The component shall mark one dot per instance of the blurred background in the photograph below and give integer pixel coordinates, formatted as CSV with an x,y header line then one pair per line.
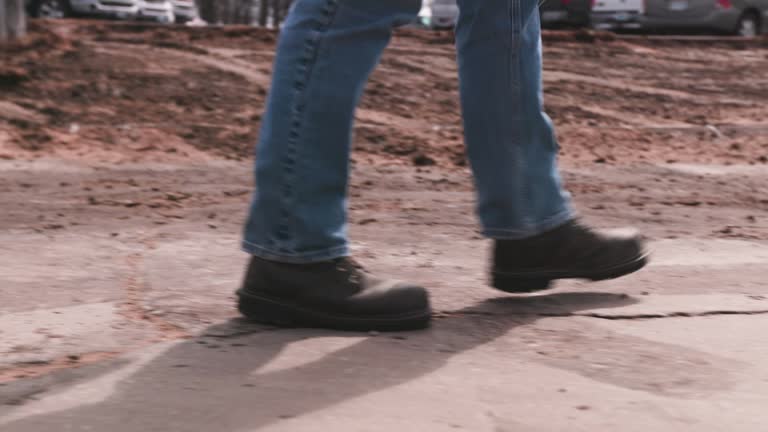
x,y
739,17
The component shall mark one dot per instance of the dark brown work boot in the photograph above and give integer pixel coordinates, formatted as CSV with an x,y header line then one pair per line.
x,y
335,294
571,251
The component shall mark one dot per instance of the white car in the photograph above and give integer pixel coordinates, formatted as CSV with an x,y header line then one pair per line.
x,y
125,9
184,11
156,10
439,14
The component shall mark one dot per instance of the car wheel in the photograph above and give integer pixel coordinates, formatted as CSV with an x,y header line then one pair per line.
x,y
51,9
749,25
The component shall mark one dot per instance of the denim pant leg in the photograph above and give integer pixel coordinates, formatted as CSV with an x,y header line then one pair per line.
x,y
510,140
326,51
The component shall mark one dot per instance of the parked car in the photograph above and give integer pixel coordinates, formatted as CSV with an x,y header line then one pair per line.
x,y
617,14
126,9
741,17
184,11
572,13
443,14
155,10
438,14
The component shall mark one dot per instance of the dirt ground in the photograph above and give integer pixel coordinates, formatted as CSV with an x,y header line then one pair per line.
x,y
125,92
125,173
93,92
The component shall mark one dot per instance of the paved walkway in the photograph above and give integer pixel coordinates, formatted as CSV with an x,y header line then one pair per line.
x,y
127,325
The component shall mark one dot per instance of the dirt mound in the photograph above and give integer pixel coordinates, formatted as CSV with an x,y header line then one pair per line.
x,y
11,76
22,55
41,40
133,91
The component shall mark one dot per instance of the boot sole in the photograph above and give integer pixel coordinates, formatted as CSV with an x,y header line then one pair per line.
x,y
537,281
279,313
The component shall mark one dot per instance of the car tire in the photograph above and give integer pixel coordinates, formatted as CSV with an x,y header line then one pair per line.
x,y
748,25
50,9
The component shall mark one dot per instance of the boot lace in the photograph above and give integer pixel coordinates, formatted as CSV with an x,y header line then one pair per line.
x,y
354,269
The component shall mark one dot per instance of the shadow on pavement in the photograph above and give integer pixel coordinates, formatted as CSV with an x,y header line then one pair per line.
x,y
214,382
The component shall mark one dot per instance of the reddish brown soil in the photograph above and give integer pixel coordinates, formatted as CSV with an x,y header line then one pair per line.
x,y
91,90
626,109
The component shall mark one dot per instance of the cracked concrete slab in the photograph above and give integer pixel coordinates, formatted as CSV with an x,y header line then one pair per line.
x,y
40,339
471,373
61,269
182,283
580,357
709,253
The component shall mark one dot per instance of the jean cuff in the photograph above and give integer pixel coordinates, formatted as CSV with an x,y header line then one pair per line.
x,y
543,226
295,258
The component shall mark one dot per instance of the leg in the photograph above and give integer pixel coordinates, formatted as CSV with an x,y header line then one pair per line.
x,y
513,151
326,51
510,141
299,274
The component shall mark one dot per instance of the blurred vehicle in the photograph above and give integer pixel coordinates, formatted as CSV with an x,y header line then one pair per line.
x,y
184,11
156,10
443,14
125,9
439,14
617,14
565,13
741,17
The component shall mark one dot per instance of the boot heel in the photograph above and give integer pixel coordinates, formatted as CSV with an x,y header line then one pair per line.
x,y
517,284
265,312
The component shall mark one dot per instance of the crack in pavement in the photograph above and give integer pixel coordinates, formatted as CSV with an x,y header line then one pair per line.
x,y
669,314
133,309
614,317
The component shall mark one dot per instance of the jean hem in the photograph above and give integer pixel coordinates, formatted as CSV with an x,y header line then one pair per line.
x,y
547,224
295,258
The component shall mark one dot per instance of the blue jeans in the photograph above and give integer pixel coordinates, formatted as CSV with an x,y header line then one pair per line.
x,y
326,51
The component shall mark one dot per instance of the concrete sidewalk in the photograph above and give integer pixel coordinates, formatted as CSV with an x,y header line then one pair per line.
x,y
127,325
